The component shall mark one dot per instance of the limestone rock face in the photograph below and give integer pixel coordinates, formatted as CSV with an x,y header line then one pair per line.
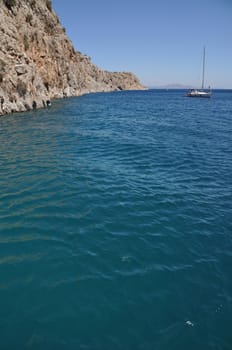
x,y
39,63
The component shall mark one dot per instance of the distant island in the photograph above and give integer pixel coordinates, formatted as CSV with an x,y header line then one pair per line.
x,y
172,86
39,63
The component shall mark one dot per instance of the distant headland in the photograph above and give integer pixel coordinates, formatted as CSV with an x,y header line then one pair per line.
x,y
172,86
39,63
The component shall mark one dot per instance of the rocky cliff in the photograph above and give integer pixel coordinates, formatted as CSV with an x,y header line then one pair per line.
x,y
39,63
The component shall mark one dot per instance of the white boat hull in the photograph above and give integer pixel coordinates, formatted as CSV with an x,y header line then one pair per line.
x,y
199,93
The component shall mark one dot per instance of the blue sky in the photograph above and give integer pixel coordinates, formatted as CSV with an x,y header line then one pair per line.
x,y
161,41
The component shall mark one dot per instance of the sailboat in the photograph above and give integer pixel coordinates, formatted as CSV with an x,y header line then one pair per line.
x,y
200,92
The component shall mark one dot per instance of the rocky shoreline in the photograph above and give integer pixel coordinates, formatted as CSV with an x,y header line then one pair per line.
x,y
38,62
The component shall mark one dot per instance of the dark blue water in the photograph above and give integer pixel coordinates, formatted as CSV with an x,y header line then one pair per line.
x,y
115,224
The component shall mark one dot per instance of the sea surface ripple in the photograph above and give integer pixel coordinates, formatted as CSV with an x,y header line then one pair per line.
x,y
115,223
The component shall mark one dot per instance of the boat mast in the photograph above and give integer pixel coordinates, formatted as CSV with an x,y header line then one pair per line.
x,y
203,70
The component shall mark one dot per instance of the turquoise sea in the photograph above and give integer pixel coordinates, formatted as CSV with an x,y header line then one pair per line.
x,y
116,223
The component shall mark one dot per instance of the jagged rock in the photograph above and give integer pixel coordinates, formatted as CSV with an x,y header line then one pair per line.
x,y
20,69
38,62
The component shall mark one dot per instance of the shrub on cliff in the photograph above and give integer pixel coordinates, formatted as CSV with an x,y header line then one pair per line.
x,y
2,65
33,3
49,4
2,69
29,18
21,88
9,3
26,42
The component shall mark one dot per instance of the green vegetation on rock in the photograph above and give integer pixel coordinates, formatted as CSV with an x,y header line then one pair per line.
x,y
9,3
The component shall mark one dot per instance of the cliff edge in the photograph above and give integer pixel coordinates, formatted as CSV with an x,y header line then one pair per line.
x,y
39,63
